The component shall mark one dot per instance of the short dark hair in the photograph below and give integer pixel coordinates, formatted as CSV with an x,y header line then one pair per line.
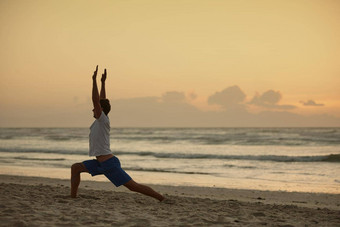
x,y
105,104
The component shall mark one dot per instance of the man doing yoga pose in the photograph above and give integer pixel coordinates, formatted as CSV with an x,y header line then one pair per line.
x,y
105,163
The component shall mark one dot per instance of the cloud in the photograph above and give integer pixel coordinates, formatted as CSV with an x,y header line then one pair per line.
x,y
174,112
170,110
311,103
173,96
192,95
230,96
270,99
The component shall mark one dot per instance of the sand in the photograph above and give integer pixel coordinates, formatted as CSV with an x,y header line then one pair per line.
x,y
33,201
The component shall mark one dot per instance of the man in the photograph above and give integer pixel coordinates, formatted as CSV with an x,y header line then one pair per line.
x,y
105,163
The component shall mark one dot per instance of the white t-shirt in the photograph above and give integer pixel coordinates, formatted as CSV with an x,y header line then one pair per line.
x,y
100,136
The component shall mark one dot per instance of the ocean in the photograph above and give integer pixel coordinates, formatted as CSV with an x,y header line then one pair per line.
x,y
287,159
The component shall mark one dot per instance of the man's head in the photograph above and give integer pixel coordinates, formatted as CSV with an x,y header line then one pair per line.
x,y
105,104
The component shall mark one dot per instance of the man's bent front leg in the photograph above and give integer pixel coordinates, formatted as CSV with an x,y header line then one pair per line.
x,y
76,169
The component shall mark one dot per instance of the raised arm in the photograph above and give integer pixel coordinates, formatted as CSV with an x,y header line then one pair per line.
x,y
95,96
102,89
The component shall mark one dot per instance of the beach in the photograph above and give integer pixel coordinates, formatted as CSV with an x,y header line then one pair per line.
x,y
210,176
37,201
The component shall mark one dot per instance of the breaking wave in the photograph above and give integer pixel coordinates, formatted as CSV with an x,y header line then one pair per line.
x,y
275,158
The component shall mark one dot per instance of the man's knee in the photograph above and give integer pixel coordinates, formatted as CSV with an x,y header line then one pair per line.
x,y
77,168
132,185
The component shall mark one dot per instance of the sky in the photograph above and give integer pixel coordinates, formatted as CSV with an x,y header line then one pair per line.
x,y
171,63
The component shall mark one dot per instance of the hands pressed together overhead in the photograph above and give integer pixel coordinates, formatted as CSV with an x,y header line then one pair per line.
x,y
94,77
96,96
104,76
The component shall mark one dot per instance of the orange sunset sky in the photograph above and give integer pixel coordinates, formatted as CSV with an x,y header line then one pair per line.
x,y
171,63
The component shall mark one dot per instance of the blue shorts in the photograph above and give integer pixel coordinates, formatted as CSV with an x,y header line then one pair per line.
x,y
110,168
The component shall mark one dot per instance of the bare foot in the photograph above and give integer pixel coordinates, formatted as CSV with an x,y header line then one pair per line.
x,y
168,201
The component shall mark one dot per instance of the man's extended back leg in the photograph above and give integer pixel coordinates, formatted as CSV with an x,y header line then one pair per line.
x,y
146,190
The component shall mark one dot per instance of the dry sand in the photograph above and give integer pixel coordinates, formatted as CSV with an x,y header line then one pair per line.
x,y
32,201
